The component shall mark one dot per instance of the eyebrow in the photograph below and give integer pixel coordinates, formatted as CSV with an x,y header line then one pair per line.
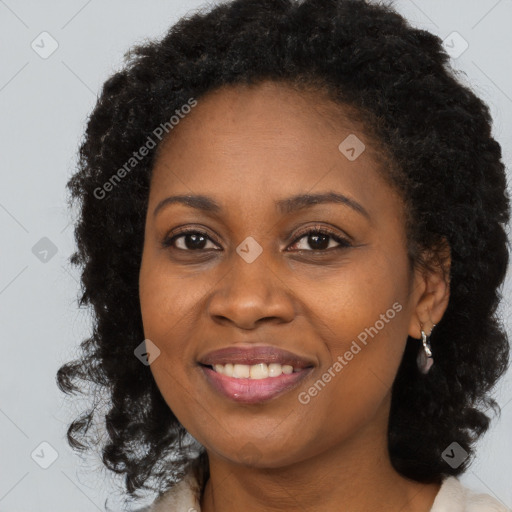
x,y
285,206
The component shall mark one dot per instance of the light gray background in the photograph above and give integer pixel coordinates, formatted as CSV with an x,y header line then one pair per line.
x,y
44,104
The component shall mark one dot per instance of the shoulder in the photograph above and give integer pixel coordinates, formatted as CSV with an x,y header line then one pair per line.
x,y
455,497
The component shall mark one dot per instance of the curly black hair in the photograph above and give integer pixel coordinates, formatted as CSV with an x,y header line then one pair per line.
x,y
434,132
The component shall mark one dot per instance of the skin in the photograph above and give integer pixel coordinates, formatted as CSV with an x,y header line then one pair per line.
x,y
247,147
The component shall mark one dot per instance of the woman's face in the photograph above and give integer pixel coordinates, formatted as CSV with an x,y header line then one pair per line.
x,y
253,274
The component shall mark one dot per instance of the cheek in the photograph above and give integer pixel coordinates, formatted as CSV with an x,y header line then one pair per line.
x,y
166,300
360,296
171,308
362,317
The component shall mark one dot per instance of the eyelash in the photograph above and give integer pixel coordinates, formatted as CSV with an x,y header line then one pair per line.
x,y
317,230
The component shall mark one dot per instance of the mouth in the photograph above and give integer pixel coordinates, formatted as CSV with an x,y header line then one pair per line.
x,y
254,374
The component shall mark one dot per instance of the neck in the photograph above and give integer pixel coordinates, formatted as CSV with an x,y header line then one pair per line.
x,y
356,475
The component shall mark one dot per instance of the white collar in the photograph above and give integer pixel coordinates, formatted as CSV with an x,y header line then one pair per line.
x,y
454,497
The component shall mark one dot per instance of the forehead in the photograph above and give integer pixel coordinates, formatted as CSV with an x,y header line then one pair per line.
x,y
266,140
268,109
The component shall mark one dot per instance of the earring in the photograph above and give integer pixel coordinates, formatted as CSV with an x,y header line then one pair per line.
x,y
425,359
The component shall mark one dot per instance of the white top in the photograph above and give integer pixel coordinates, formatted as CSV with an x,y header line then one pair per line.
x,y
452,497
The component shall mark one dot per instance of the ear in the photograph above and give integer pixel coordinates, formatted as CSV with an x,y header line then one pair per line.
x,y
431,290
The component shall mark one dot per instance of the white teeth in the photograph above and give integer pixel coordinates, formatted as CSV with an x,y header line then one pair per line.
x,y
259,371
255,371
274,370
287,369
241,371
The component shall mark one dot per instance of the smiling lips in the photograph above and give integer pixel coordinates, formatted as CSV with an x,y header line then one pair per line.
x,y
254,374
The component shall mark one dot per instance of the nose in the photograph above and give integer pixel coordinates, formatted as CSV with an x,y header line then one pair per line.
x,y
251,294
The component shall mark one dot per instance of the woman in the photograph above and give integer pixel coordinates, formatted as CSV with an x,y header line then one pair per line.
x,y
292,235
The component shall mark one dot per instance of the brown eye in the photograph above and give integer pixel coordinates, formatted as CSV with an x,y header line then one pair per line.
x,y
191,240
321,240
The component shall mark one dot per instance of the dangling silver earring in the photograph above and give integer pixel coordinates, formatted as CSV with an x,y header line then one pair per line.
x,y
425,359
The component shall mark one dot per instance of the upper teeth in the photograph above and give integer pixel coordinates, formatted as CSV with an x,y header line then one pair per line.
x,y
255,371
